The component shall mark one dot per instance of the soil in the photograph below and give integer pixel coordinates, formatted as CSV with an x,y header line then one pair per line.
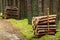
x,y
9,32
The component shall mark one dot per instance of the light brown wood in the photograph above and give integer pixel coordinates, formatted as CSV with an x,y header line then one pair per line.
x,y
46,19
52,21
45,28
41,31
44,16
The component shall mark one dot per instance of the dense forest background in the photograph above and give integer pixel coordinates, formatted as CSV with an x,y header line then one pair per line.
x,y
30,8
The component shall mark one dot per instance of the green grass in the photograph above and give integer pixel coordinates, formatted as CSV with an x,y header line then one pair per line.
x,y
27,32
58,25
25,28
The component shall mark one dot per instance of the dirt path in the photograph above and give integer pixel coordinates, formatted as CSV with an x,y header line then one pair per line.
x,y
8,32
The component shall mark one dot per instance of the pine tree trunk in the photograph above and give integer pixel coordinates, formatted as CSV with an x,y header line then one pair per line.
x,y
51,7
35,8
19,9
55,6
46,5
40,7
29,11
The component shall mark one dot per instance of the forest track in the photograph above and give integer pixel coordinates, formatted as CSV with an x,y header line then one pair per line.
x,y
9,32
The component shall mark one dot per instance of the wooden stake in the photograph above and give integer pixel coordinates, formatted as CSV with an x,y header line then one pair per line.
x,y
48,19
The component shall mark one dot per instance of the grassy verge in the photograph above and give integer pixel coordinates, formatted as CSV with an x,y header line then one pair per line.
x,y
25,28
27,31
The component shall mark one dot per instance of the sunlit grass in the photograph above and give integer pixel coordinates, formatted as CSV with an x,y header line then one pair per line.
x,y
25,28
27,32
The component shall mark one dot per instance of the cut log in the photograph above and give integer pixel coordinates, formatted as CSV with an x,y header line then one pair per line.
x,y
51,33
43,21
41,31
45,16
42,17
53,18
12,12
51,21
45,26
41,24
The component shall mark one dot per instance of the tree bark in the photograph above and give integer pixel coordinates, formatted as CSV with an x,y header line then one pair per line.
x,y
55,6
46,5
29,11
40,7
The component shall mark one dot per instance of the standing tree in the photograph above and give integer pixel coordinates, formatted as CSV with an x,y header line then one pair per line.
x,y
29,11
40,7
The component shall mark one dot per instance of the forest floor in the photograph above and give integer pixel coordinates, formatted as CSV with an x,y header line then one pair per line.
x,y
12,29
8,32
27,30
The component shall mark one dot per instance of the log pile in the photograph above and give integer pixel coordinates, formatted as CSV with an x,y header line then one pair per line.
x,y
43,25
11,12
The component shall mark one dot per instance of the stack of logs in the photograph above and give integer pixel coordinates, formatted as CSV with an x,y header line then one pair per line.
x,y
10,12
43,25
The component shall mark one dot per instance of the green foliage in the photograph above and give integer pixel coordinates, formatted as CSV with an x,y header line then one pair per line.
x,y
58,35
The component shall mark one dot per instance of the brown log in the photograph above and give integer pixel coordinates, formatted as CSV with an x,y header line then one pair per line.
x,y
41,31
39,18
50,33
45,16
11,12
47,30
42,27
43,22
45,26
51,21
42,17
